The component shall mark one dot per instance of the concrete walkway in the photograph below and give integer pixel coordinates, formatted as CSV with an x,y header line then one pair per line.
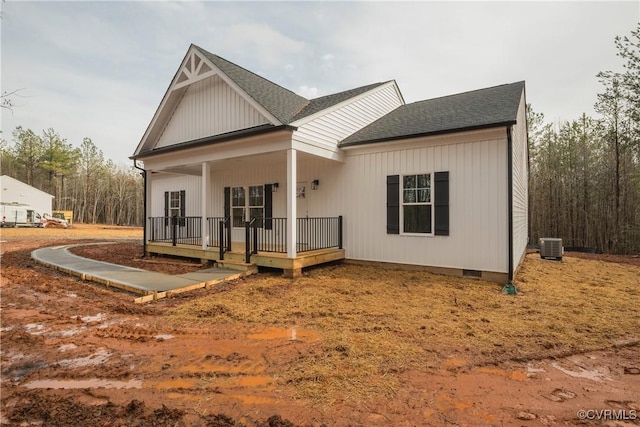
x,y
131,279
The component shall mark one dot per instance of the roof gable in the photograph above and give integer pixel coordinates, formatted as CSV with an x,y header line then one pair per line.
x,y
322,103
281,102
489,107
6,181
270,100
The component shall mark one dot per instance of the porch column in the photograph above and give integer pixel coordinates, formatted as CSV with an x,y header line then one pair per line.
x,y
291,202
206,174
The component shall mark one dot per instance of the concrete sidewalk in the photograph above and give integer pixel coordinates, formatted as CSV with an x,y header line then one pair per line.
x,y
131,279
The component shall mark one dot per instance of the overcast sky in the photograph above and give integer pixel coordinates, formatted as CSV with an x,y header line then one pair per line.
x,y
100,69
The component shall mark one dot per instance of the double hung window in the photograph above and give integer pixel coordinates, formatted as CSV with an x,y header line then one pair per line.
x,y
416,203
247,203
174,203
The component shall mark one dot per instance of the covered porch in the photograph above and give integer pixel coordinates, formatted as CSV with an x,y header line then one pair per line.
x,y
263,200
319,240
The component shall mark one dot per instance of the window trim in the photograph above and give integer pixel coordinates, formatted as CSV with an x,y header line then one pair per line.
x,y
247,207
402,204
174,196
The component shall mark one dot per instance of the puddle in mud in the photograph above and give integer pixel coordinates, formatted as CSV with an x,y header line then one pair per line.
x,y
70,332
97,318
89,383
163,336
66,347
289,334
35,328
97,358
593,375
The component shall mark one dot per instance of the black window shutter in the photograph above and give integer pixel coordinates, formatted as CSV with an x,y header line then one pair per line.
x,y
393,204
268,207
441,203
182,207
166,208
227,201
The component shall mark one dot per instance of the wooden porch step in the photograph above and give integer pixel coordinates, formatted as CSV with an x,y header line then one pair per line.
x,y
238,265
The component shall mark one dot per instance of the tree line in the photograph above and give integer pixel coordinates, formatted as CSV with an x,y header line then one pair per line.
x,y
584,176
82,181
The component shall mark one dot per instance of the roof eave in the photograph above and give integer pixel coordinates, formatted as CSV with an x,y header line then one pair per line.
x,y
425,134
216,139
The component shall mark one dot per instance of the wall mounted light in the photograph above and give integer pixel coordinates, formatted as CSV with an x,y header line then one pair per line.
x,y
314,184
274,187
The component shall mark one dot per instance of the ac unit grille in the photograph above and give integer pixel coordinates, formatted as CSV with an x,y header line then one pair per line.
x,y
551,248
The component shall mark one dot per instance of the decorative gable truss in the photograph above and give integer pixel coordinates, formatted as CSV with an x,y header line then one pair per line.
x,y
194,69
201,101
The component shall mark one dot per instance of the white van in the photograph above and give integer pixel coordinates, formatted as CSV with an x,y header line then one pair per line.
x,y
19,216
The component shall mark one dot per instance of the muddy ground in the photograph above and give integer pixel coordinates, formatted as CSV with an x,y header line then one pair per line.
x,y
74,353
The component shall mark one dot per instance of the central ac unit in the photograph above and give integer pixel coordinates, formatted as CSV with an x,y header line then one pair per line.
x,y
551,248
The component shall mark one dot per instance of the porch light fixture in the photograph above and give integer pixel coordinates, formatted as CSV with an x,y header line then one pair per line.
x,y
314,184
274,187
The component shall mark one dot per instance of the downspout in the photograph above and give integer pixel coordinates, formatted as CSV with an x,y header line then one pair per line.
x,y
510,202
144,208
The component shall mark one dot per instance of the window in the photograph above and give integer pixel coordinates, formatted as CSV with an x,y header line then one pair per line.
x,y
416,203
238,202
419,198
241,204
174,203
174,206
256,204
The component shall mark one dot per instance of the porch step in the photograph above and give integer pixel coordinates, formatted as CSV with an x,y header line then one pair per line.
x,y
238,265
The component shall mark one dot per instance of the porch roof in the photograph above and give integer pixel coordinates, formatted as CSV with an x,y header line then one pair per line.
x,y
215,139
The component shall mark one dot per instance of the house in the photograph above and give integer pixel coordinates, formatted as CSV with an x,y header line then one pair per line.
x,y
14,192
241,170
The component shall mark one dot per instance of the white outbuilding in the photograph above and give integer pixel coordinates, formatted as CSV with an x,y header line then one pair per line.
x,y
17,192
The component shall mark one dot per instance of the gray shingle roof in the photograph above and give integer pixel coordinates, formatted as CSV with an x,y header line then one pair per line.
x,y
282,103
494,106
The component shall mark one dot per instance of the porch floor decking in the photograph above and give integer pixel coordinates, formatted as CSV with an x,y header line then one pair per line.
x,y
237,254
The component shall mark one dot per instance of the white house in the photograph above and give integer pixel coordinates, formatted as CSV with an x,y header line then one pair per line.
x,y
17,192
359,174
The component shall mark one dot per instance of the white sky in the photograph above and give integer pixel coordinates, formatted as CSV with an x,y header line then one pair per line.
x,y
100,69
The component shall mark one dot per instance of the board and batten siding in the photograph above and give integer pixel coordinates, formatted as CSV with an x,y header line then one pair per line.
x,y
209,107
477,165
520,183
166,182
334,126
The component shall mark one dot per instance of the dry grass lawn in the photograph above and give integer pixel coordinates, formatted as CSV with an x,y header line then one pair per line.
x,y
377,324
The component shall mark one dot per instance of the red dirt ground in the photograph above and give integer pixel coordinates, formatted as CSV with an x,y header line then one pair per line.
x,y
74,353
